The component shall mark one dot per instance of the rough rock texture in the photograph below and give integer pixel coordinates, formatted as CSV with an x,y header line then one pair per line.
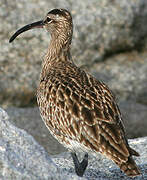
x,y
22,158
29,119
126,75
101,28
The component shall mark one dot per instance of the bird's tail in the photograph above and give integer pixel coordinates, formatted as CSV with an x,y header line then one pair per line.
x,y
129,167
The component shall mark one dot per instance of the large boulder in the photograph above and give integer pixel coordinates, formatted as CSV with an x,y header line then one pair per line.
x,y
101,28
21,157
29,119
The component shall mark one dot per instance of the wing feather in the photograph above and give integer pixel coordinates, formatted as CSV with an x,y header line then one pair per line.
x,y
83,109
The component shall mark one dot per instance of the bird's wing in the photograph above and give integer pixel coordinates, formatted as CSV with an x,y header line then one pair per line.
x,y
84,109
103,126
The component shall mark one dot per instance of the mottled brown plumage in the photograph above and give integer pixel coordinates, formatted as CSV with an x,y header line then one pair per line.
x,y
80,111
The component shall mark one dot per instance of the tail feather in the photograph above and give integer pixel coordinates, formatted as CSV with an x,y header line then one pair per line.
x,y
133,152
130,168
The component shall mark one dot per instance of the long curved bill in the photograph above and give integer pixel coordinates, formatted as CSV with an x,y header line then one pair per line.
x,y
38,24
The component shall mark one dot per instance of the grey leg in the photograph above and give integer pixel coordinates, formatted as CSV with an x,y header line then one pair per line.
x,y
80,167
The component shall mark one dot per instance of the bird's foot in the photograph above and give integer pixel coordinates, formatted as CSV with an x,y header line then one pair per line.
x,y
80,167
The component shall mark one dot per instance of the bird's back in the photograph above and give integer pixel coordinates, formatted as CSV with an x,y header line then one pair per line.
x,y
82,114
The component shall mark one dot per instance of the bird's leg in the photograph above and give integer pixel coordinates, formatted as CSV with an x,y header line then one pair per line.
x,y
80,167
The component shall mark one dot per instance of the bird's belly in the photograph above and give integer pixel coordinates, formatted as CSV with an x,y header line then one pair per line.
x,y
55,130
67,142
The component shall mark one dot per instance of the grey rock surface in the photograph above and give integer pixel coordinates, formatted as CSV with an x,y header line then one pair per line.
x,y
101,28
135,119
22,158
134,116
29,119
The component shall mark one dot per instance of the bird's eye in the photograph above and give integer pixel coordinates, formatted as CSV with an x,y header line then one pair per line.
x,y
48,19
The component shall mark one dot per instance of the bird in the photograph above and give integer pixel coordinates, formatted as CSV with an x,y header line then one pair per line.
x,y
79,111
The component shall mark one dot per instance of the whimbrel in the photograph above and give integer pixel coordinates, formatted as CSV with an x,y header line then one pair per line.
x,y
79,111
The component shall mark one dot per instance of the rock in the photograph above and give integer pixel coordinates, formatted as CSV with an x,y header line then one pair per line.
x,y
126,76
29,119
21,157
135,119
101,28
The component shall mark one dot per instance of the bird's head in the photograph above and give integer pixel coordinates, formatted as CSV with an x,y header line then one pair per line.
x,y
58,22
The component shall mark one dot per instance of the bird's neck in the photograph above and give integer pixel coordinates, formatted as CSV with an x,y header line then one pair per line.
x,y
58,51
